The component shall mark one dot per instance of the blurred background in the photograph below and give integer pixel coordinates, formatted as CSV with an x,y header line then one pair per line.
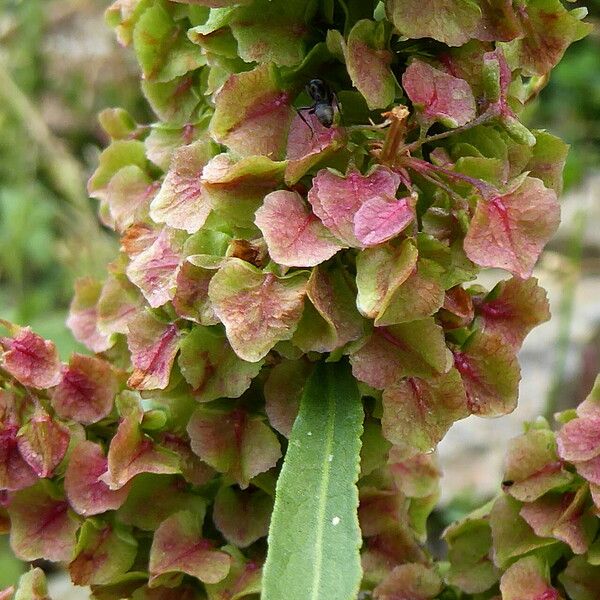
x,y
60,65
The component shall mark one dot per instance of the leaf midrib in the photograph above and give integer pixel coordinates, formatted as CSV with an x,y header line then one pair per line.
x,y
323,499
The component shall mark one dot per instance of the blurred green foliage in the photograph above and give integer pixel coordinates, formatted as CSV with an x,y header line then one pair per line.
x,y
569,106
10,568
59,71
53,81
32,282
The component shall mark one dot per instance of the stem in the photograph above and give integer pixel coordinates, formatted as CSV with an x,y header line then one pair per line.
x,y
439,183
371,127
62,168
422,166
395,135
488,115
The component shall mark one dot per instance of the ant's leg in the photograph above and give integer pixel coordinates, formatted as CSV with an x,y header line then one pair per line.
x,y
311,111
337,105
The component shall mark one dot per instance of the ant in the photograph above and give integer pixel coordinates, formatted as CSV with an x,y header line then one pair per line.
x,y
324,100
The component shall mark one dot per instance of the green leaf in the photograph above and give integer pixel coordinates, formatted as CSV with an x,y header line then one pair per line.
x,y
258,309
119,154
527,579
252,113
173,101
234,442
549,30
162,47
314,539
123,17
580,579
450,21
178,547
103,554
266,31
368,61
512,536
32,586
212,368
548,160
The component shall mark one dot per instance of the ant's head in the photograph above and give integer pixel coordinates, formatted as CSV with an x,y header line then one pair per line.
x,y
318,90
